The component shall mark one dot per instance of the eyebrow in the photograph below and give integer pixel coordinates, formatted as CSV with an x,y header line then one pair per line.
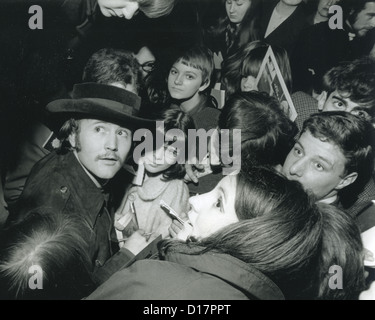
x,y
328,162
340,99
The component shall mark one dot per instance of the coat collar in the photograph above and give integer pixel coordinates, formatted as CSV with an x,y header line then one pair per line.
x,y
231,270
91,198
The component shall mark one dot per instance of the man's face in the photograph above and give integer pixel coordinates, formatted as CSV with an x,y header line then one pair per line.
x,y
365,20
119,8
339,101
103,147
318,165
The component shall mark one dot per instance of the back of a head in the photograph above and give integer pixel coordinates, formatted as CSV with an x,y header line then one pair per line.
x,y
341,271
354,136
45,257
266,132
113,66
354,80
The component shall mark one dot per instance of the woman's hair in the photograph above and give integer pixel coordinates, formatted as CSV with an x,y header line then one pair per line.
x,y
235,37
176,119
266,132
51,244
247,60
253,61
232,66
156,8
278,233
341,269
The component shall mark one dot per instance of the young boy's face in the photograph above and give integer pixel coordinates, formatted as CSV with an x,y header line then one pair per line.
x,y
184,82
318,165
338,101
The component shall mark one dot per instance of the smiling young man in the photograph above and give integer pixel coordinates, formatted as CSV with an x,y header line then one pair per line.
x,y
84,177
333,158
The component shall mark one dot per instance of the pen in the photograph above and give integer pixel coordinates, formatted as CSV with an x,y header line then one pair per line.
x,y
171,211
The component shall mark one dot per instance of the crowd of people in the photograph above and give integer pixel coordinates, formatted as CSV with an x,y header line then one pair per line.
x,y
125,176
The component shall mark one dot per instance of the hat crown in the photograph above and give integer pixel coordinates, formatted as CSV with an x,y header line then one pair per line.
x,y
107,92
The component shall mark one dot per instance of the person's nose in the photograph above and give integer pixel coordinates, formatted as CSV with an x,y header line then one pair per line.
x,y
297,168
112,143
249,83
231,8
178,79
159,154
130,10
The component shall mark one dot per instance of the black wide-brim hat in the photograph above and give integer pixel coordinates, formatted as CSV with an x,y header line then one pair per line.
x,y
98,101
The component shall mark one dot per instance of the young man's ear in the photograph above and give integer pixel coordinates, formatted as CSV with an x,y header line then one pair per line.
x,y
205,85
72,140
322,98
348,180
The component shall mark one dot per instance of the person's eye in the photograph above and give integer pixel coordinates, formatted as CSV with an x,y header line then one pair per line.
x,y
99,129
190,77
219,204
318,166
123,133
339,105
297,151
362,114
173,72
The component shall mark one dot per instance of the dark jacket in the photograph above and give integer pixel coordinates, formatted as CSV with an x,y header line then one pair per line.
x,y
287,33
319,49
207,276
59,182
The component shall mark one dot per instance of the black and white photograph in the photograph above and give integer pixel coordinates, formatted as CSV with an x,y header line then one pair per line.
x,y
187,154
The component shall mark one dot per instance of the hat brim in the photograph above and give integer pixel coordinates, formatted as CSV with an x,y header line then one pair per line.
x,y
62,110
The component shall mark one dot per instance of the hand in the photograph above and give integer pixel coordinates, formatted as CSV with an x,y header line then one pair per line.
x,y
180,231
368,294
191,174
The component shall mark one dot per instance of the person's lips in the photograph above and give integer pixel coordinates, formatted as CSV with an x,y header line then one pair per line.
x,y
109,159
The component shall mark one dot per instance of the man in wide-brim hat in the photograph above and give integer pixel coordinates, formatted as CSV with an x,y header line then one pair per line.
x,y
84,176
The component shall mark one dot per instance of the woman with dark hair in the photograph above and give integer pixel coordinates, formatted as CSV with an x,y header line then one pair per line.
x,y
240,70
267,135
266,132
238,25
265,245
229,255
